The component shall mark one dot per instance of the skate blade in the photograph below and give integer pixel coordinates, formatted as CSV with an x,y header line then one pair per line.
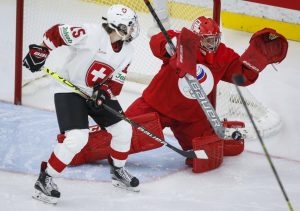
x,y
38,195
121,185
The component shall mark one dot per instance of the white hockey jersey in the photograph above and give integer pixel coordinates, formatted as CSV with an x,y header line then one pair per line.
x,y
92,59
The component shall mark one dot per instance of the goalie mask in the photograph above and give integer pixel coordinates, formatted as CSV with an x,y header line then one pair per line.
x,y
124,21
209,32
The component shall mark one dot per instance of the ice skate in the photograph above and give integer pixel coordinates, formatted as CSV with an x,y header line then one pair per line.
x,y
122,179
45,189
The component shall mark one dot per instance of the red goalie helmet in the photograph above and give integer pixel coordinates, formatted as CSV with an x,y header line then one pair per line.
x,y
209,32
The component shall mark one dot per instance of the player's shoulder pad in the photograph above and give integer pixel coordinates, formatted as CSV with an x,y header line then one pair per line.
x,y
72,34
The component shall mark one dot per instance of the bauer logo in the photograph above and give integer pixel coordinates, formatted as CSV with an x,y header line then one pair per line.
x,y
204,77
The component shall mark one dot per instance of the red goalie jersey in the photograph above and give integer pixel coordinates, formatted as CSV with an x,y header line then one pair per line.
x,y
170,94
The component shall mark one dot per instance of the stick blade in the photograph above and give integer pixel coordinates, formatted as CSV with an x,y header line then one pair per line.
x,y
201,154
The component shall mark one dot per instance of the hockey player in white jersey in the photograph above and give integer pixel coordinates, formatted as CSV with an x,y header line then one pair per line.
x,y
100,56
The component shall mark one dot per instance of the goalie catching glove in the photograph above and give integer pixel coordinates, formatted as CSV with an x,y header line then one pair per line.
x,y
101,94
36,57
266,47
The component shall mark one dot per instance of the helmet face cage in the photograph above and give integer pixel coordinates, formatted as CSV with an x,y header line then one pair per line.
x,y
129,32
124,21
209,33
134,29
209,42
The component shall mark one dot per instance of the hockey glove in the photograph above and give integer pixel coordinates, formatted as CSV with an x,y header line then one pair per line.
x,y
101,94
36,57
266,47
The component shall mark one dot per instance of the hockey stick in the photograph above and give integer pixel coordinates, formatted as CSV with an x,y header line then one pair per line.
x,y
239,80
200,95
187,154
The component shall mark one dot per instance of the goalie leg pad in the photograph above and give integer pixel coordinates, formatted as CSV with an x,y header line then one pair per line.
x,y
142,142
97,148
233,147
141,112
213,147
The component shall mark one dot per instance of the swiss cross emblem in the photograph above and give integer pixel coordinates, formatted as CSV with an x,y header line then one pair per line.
x,y
97,73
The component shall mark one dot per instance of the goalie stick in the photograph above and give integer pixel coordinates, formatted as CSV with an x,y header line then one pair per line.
x,y
188,154
200,95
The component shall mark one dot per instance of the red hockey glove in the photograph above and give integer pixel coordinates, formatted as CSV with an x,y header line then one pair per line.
x,y
101,94
266,47
36,57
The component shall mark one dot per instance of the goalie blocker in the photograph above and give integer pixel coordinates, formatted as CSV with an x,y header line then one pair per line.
x,y
98,146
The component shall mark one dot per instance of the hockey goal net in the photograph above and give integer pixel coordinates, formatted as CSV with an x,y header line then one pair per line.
x,y
40,15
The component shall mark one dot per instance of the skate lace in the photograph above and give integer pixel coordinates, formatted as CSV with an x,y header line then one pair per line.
x,y
124,174
50,185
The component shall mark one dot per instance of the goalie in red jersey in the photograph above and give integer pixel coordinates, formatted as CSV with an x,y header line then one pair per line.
x,y
209,60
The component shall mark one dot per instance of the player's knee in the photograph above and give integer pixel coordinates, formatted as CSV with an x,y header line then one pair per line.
x,y
121,131
76,139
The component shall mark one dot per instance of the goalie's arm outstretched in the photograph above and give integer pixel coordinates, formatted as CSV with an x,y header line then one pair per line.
x,y
265,47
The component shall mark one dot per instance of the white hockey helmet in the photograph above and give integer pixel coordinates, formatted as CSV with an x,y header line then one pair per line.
x,y
124,21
